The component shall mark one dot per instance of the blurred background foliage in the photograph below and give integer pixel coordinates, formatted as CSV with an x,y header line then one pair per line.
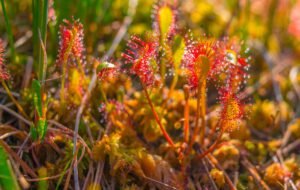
x,y
269,25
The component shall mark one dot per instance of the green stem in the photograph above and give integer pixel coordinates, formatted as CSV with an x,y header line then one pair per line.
x,y
63,80
9,31
63,174
43,64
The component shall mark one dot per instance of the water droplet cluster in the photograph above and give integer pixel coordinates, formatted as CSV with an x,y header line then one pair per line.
x,y
198,57
71,45
140,56
221,62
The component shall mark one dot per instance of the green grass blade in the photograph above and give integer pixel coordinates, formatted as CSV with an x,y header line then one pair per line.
x,y
9,31
42,63
36,87
40,20
8,179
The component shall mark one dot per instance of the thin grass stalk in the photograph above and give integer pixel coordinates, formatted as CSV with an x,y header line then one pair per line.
x,y
19,107
35,13
40,20
63,174
42,47
9,31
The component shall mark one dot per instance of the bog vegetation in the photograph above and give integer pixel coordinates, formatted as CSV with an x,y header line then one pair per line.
x,y
149,95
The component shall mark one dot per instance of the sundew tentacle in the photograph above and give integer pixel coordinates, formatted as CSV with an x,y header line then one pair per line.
x,y
3,72
71,45
140,56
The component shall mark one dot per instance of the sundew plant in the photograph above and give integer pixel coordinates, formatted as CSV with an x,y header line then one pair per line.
x,y
164,94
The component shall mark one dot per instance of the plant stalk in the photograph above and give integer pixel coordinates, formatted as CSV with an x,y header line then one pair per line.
x,y
63,81
213,146
165,133
200,113
186,114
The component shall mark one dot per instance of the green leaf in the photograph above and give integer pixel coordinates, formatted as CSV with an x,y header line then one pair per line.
x,y
178,49
8,179
165,19
36,86
105,65
33,132
42,128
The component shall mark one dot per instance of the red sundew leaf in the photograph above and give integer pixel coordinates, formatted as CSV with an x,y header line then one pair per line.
x,y
107,70
229,62
235,67
3,72
198,60
164,19
139,55
70,42
232,111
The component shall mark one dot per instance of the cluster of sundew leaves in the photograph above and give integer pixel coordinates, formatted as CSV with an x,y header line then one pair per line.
x,y
232,106
3,72
71,45
206,58
202,59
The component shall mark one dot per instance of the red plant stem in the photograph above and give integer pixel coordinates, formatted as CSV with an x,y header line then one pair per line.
x,y
200,113
165,133
202,110
196,129
212,147
186,114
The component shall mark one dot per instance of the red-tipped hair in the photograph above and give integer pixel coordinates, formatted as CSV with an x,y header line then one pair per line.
x,y
70,42
138,56
192,60
3,72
